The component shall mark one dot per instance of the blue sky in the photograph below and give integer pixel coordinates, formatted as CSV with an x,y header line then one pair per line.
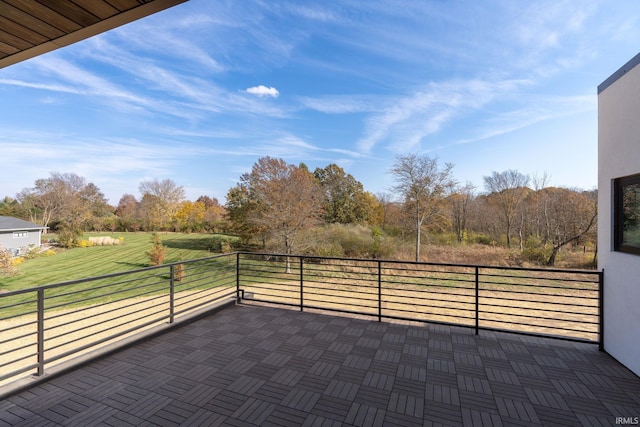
x,y
199,92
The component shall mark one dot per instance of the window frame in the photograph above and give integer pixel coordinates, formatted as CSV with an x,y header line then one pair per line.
x,y
618,214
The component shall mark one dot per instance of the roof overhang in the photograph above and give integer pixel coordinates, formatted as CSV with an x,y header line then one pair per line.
x,y
29,28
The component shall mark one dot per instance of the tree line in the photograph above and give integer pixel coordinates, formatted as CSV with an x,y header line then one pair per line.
x,y
289,208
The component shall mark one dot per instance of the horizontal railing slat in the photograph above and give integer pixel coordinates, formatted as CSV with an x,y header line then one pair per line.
x,y
533,301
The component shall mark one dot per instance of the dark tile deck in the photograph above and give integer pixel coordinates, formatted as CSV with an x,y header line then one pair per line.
x,y
253,365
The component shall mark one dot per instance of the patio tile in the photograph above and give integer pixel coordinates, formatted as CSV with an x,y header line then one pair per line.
x,y
256,365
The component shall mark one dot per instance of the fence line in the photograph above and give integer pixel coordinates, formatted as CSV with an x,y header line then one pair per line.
x,y
556,303
50,324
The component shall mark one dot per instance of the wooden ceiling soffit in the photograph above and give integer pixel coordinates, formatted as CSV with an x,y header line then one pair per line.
x,y
29,28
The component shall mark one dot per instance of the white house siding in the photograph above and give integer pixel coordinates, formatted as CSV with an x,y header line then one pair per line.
x,y
619,156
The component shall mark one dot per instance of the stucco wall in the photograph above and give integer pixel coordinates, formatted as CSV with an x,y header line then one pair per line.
x,y
618,156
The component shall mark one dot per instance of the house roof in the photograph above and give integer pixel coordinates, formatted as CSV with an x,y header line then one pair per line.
x,y
619,73
9,223
29,28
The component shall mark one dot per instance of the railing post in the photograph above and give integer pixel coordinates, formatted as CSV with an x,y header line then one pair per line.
x,y
172,285
379,291
238,299
301,285
477,301
601,310
40,344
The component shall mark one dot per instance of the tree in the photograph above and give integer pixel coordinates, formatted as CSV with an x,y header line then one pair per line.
x,y
508,189
214,213
460,205
158,251
423,184
10,207
162,202
240,208
128,213
65,200
345,201
573,215
286,200
189,216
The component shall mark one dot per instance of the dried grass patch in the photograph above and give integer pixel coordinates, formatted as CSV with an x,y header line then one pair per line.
x,y
533,313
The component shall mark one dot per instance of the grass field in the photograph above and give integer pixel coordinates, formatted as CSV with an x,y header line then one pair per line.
x,y
80,263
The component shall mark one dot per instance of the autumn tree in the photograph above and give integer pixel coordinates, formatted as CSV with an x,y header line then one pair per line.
x,y
345,200
214,213
423,185
508,189
64,200
241,208
160,200
158,250
128,213
189,216
287,200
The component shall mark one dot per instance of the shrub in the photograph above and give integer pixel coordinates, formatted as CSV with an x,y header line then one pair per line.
x,y
221,244
329,249
85,243
347,240
7,267
178,272
483,239
68,238
32,252
158,251
535,251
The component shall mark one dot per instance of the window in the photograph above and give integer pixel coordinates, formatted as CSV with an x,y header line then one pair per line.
x,y
626,214
20,234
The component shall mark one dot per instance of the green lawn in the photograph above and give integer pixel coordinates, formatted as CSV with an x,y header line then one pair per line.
x,y
93,261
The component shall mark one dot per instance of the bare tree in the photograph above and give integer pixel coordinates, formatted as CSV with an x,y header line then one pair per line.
x,y
162,198
508,188
423,184
460,206
573,215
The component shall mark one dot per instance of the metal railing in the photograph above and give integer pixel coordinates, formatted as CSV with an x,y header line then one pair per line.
x,y
554,303
42,326
48,324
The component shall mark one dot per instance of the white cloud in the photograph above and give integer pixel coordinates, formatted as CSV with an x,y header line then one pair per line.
x,y
263,91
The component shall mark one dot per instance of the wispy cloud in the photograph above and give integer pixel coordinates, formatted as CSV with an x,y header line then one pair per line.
x,y
538,110
44,86
404,123
343,104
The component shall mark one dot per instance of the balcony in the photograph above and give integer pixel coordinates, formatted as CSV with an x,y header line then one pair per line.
x,y
333,342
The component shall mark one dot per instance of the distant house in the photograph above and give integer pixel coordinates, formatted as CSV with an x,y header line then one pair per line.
x,y
18,235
